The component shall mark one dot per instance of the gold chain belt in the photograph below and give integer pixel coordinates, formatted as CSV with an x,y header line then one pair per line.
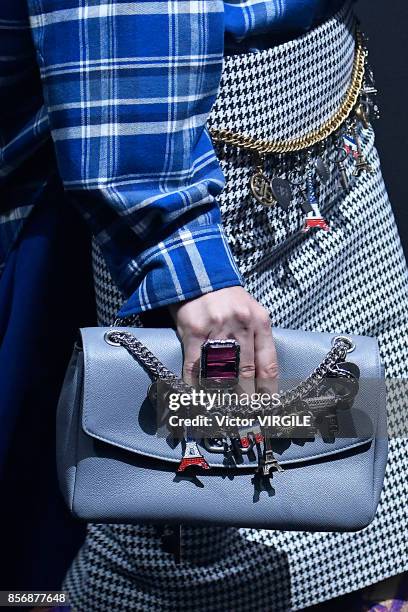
x,y
279,190
244,141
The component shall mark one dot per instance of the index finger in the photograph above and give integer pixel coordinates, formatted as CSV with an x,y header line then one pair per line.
x,y
266,359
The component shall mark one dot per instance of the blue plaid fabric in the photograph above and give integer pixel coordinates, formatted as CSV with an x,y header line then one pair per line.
x,y
278,18
113,96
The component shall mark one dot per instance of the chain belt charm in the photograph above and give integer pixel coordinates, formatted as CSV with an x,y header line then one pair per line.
x,y
269,191
341,156
260,185
362,164
314,217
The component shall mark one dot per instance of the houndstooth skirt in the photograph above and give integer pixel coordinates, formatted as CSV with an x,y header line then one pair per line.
x,y
352,279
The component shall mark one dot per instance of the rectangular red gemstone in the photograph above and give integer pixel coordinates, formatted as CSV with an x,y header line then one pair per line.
x,y
221,361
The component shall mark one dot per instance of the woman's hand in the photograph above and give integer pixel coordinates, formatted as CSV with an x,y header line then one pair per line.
x,y
222,314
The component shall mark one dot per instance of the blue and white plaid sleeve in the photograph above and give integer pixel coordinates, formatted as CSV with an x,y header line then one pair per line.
x,y
128,88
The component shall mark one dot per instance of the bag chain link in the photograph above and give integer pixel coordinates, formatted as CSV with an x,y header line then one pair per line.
x,y
158,370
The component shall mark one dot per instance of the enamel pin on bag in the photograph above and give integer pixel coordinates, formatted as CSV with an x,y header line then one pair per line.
x,y
114,466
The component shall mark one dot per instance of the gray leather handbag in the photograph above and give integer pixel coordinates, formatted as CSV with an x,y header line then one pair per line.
x,y
114,468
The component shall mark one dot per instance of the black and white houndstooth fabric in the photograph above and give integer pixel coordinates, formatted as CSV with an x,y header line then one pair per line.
x,y
352,279
265,93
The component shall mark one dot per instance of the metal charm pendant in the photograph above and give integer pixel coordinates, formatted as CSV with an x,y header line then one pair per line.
x,y
322,170
307,209
313,221
297,181
261,189
340,159
192,457
314,218
269,461
362,164
282,192
250,435
362,113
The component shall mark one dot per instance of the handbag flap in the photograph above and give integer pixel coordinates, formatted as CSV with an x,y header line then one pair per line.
x,y
117,411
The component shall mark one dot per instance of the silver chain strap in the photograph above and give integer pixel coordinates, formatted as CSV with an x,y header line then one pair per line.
x,y
147,359
337,354
341,346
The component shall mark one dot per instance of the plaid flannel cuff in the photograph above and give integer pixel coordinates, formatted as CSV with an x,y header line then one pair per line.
x,y
190,263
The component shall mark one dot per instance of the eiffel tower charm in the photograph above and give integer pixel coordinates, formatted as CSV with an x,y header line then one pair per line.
x,y
269,461
362,164
314,218
192,457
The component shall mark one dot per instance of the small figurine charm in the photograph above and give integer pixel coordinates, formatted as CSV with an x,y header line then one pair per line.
x,y
362,165
192,457
269,461
250,434
340,162
314,217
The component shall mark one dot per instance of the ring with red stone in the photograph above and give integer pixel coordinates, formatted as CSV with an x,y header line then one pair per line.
x,y
219,363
